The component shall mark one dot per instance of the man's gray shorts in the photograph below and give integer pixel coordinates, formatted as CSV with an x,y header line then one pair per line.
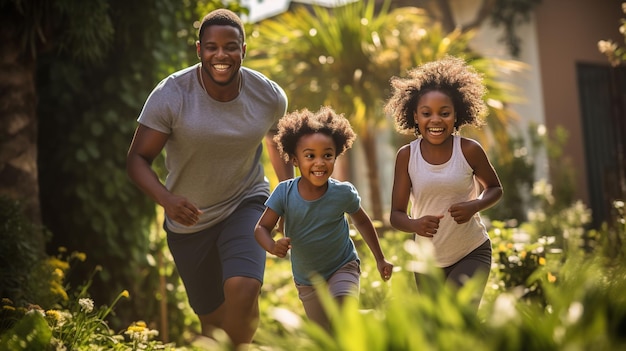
x,y
206,259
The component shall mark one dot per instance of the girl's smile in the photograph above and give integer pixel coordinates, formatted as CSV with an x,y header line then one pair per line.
x,y
315,157
435,116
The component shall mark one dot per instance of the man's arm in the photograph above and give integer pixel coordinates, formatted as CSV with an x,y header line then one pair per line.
x,y
284,170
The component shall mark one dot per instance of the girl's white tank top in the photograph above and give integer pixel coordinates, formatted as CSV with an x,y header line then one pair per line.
x,y
434,189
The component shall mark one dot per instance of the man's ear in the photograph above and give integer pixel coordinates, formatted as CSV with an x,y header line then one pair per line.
x,y
243,49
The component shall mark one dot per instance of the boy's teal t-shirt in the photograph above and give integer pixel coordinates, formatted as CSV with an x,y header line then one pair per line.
x,y
319,229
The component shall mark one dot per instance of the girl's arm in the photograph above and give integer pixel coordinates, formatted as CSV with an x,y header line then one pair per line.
x,y
486,176
425,226
364,225
263,234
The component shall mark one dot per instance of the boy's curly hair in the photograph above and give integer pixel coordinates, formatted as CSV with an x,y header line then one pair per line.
x,y
294,125
449,75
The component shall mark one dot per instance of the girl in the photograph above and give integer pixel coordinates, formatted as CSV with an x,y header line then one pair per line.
x,y
313,207
448,178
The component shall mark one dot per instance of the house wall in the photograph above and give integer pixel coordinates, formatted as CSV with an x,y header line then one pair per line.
x,y
527,82
567,33
559,35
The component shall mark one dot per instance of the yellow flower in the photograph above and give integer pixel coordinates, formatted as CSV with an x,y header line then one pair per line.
x,y
551,278
57,263
136,329
141,324
542,261
125,294
57,289
81,256
58,273
522,254
54,315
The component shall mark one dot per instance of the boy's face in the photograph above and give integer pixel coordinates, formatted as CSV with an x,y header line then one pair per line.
x,y
315,156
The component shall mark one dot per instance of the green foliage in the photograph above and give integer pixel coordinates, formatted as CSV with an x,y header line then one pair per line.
x,y
30,333
510,14
516,169
85,28
87,115
538,299
344,57
19,255
518,258
77,325
78,28
610,239
516,172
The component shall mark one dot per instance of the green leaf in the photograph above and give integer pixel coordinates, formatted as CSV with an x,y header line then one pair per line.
x,y
29,333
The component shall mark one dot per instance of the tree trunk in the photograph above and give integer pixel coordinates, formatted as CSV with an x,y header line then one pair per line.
x,y
18,123
371,157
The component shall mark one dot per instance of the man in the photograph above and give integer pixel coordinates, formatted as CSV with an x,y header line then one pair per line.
x,y
211,118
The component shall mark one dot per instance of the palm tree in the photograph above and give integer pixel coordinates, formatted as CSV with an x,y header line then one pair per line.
x,y
345,56
27,28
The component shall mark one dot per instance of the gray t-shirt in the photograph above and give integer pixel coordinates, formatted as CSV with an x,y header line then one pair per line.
x,y
214,148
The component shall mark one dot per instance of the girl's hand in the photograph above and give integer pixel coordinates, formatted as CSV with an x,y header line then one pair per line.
x,y
385,269
463,211
281,246
427,226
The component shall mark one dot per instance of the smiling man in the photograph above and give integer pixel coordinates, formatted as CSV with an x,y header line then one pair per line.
x,y
211,119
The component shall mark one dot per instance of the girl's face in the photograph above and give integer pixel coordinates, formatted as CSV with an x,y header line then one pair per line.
x,y
435,116
315,156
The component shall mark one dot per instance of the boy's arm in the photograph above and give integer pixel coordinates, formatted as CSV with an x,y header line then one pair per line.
x,y
263,234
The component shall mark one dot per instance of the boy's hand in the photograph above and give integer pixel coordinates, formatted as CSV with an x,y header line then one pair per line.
x,y
281,246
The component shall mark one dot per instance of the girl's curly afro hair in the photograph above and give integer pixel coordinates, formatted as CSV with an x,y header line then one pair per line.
x,y
303,122
450,75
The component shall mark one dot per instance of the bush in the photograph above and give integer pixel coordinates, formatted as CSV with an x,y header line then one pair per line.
x,y
20,256
542,295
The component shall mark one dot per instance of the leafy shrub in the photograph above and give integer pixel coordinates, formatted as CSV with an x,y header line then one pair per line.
x,y
20,256
543,295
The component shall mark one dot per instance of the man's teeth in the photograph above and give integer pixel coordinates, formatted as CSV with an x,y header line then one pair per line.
x,y
318,174
221,67
436,129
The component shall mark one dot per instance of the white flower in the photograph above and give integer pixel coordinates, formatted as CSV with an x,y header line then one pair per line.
x,y
86,304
